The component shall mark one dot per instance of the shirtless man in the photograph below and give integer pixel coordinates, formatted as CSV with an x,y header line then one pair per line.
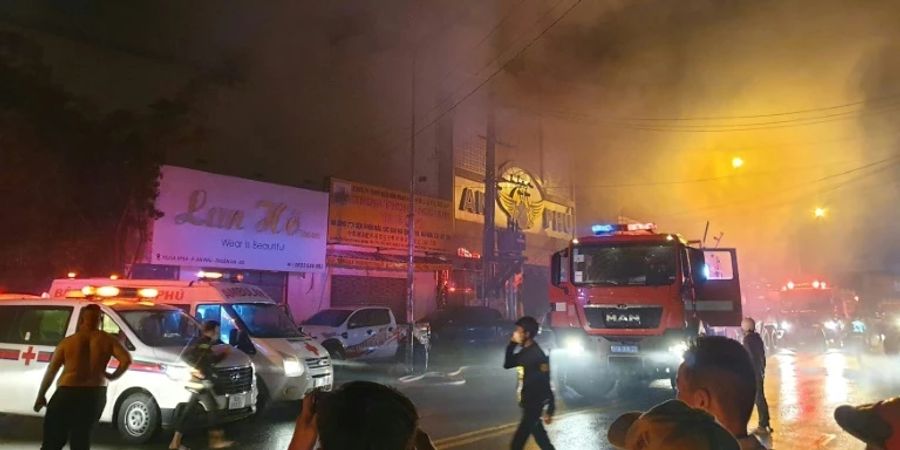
x,y
80,393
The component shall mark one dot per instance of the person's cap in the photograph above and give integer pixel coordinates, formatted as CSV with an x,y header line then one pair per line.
x,y
672,425
872,423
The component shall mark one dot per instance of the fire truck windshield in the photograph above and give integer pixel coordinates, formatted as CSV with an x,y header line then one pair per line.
x,y
637,264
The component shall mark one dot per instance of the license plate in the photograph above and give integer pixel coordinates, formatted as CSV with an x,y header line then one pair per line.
x,y
238,401
624,348
320,382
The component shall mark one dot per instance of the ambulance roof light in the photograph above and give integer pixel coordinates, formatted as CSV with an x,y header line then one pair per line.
x,y
147,293
204,275
107,291
71,275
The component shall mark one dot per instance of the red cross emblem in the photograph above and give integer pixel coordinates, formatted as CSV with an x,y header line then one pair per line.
x,y
313,349
29,355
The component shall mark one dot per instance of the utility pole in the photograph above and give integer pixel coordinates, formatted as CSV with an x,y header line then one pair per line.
x,y
411,220
490,201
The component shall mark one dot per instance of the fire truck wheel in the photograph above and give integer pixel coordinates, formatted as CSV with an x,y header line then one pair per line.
x,y
138,418
335,349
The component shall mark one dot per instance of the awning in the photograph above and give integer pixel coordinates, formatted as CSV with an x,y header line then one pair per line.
x,y
377,261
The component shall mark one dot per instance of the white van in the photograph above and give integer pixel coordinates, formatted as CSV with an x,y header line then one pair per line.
x,y
150,394
288,363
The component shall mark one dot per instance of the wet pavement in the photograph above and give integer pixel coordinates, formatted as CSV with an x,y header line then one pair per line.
x,y
473,407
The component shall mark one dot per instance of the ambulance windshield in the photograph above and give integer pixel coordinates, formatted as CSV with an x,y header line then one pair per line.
x,y
266,320
161,327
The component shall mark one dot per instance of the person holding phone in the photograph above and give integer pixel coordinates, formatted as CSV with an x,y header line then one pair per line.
x,y
535,394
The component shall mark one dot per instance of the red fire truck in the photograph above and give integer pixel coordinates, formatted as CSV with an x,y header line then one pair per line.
x,y
813,315
626,302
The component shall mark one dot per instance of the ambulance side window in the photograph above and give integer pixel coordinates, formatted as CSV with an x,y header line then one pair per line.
x,y
7,316
108,325
215,312
35,325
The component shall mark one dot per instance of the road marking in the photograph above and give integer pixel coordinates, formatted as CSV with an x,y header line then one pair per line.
x,y
413,378
499,430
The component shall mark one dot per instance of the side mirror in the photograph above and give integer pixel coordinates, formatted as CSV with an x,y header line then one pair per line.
x,y
233,337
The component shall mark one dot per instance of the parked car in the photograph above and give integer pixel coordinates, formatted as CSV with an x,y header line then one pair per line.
x,y
465,325
364,333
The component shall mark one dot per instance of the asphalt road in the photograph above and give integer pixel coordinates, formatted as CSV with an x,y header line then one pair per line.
x,y
474,407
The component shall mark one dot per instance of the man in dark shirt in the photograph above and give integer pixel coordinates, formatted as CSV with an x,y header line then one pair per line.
x,y
757,350
534,385
201,356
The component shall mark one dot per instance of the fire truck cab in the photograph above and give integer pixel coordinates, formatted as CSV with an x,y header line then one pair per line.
x,y
626,302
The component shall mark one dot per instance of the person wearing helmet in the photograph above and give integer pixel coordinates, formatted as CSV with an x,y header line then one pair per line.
x,y
534,389
757,350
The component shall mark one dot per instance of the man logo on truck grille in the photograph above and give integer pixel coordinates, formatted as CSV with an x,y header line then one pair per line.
x,y
623,318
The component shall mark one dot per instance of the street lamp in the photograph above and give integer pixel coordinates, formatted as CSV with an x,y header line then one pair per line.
x,y
737,162
820,212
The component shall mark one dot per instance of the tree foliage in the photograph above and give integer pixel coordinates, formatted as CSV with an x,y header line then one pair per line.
x,y
78,187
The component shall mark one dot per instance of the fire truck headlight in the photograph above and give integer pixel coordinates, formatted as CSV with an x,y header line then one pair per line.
x,y
678,349
292,366
831,325
785,325
179,373
574,345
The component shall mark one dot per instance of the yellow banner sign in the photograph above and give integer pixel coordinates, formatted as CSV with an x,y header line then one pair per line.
x,y
371,216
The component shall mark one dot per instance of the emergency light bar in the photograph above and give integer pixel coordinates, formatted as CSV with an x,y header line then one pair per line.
x,y
609,228
113,291
211,276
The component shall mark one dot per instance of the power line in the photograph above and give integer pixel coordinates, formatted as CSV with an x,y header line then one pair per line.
x,y
459,87
693,180
714,128
502,66
744,202
759,116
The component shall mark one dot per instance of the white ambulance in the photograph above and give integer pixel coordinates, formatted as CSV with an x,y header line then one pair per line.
x,y
151,394
288,363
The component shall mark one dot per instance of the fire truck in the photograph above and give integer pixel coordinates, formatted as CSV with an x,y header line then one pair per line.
x,y
627,301
812,315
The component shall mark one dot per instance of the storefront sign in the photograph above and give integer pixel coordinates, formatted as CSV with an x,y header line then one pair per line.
x,y
218,221
371,216
520,198
351,262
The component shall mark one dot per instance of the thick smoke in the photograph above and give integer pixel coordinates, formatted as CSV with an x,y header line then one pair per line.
x,y
311,88
613,68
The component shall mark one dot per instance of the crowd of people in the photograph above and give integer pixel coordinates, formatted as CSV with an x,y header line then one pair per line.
x,y
718,385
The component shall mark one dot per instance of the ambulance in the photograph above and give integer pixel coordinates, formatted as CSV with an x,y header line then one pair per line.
x,y
152,393
288,363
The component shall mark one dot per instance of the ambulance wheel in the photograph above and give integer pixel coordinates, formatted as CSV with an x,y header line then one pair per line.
x,y
335,349
138,418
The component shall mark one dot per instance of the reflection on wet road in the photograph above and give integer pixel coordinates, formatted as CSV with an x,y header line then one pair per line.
x,y
803,390
480,412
